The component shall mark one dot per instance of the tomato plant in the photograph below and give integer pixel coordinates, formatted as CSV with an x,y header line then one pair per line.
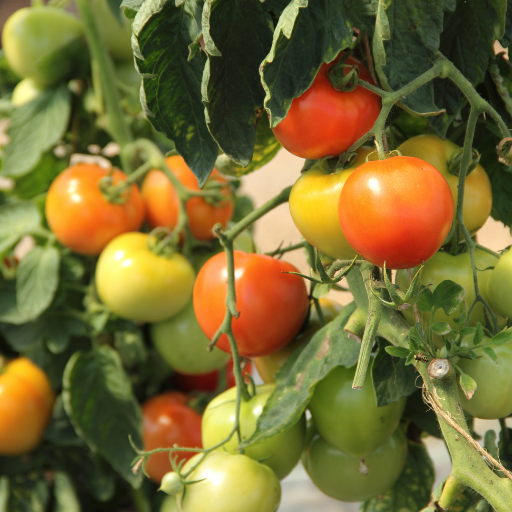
x,y
498,285
272,304
379,195
26,401
280,452
139,285
326,122
80,216
32,34
183,345
162,204
168,422
314,202
349,478
477,191
231,482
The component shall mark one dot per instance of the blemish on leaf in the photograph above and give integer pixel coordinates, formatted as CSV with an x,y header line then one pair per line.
x,y
324,348
298,384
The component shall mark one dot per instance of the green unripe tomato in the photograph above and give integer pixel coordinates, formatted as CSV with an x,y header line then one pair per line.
x,y
33,33
171,484
493,396
233,483
183,345
26,91
499,286
280,452
348,478
349,418
169,505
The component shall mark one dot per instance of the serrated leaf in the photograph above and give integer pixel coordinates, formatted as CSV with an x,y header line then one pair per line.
x,y
467,383
296,380
171,84
407,37
397,351
266,148
392,379
35,128
241,34
66,498
448,295
426,300
441,328
17,219
37,280
99,401
412,490
308,34
490,352
503,337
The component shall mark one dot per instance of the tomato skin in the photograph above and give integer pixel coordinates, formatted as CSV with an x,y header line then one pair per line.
x,y
349,419
477,190
493,396
81,218
162,204
280,452
137,284
272,304
26,403
183,345
398,211
26,91
325,122
338,475
314,208
209,382
267,366
233,483
168,421
30,34
169,504
499,285
443,266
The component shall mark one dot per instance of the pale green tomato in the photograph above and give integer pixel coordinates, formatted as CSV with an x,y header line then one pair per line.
x,y
169,505
280,452
230,483
499,286
183,345
25,91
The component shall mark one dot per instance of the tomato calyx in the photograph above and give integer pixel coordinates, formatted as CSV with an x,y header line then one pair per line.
x,y
455,160
163,242
344,77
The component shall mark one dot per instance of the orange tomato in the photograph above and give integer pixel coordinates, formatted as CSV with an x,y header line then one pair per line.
x,y
81,218
26,402
161,201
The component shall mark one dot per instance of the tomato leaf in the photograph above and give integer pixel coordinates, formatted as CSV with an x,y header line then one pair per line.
x,y
490,352
308,34
25,494
397,351
66,498
404,46
37,280
503,337
34,129
413,487
426,300
448,296
422,415
99,401
171,84
392,379
296,380
479,334
17,219
467,384
441,328
417,338
507,36
238,36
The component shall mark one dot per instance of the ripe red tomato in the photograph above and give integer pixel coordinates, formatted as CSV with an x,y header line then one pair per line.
x,y
162,204
81,218
398,211
271,303
209,382
168,421
326,122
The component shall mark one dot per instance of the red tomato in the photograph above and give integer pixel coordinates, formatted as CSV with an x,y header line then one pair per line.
x,y
271,303
326,122
168,421
209,382
398,211
81,218
162,204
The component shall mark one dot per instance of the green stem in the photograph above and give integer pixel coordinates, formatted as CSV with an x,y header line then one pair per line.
x,y
284,250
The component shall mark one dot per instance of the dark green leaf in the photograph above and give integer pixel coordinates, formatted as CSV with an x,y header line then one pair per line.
x,y
507,36
24,336
392,380
397,351
66,499
238,36
441,328
416,338
503,337
266,148
422,415
407,37
9,311
295,382
27,494
99,401
412,490
448,296
60,432
171,85
426,300
37,280
277,6
35,128
307,35
130,345
17,219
